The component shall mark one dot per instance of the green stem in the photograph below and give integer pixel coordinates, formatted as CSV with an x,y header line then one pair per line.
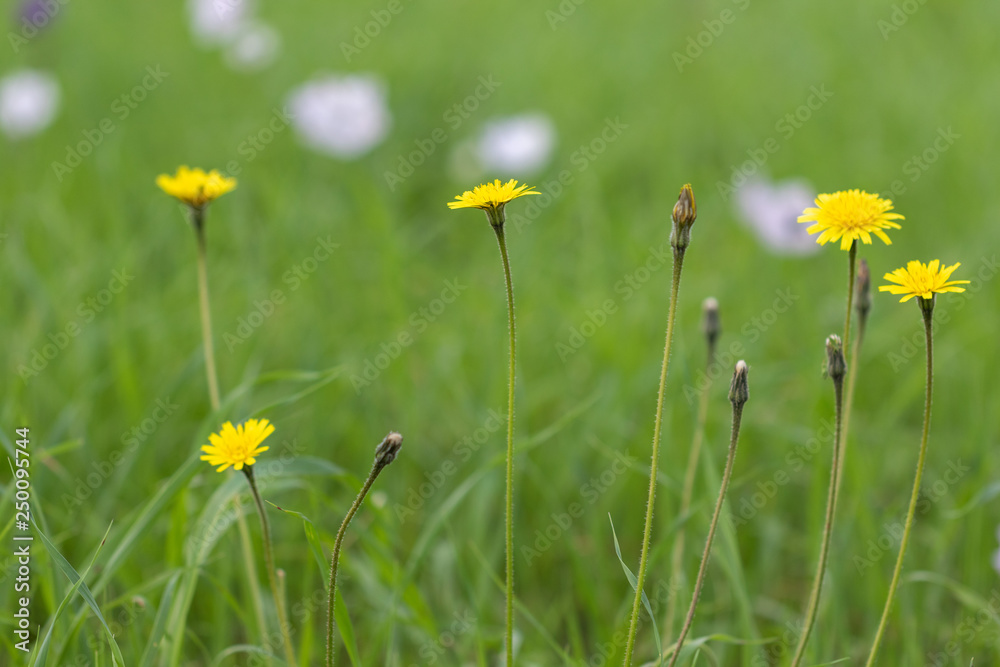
x,y
657,424
831,507
852,378
703,568
198,220
206,315
852,256
251,570
509,634
272,576
914,496
335,560
677,557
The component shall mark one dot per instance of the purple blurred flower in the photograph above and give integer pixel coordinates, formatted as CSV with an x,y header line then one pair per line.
x,y
771,211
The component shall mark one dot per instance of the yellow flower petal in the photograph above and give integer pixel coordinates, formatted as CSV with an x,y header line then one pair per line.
x,y
237,446
195,187
923,280
850,216
492,195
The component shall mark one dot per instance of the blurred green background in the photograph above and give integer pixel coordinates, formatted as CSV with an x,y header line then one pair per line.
x,y
422,589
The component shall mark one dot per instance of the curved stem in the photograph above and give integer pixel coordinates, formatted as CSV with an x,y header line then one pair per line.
x,y
657,424
914,496
272,577
251,570
677,557
831,507
509,512
335,560
206,316
702,569
198,220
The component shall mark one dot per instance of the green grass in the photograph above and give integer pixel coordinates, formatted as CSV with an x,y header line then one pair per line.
x,y
405,583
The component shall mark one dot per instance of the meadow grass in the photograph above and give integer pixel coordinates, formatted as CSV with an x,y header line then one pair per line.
x,y
419,576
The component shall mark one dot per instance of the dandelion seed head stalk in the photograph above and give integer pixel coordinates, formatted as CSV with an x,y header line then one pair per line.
x,y
683,217
739,394
385,453
836,368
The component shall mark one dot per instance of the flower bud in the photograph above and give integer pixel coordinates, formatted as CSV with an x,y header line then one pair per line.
x,y
836,366
739,389
386,451
863,290
710,320
684,214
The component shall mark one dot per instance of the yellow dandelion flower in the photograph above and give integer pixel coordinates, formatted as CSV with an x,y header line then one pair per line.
x,y
195,187
923,280
850,215
492,197
237,446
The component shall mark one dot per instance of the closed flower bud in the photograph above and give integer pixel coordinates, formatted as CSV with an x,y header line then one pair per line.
x,y
739,389
710,320
386,451
684,214
836,366
863,290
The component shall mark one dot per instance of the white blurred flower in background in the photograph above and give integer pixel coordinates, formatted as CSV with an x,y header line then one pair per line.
x,y
254,47
29,101
342,116
218,22
771,210
520,145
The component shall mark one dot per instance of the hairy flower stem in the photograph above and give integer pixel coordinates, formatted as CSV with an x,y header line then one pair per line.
x,y
703,568
198,221
851,261
509,512
831,507
272,576
655,458
251,570
852,378
677,557
206,312
385,453
914,496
